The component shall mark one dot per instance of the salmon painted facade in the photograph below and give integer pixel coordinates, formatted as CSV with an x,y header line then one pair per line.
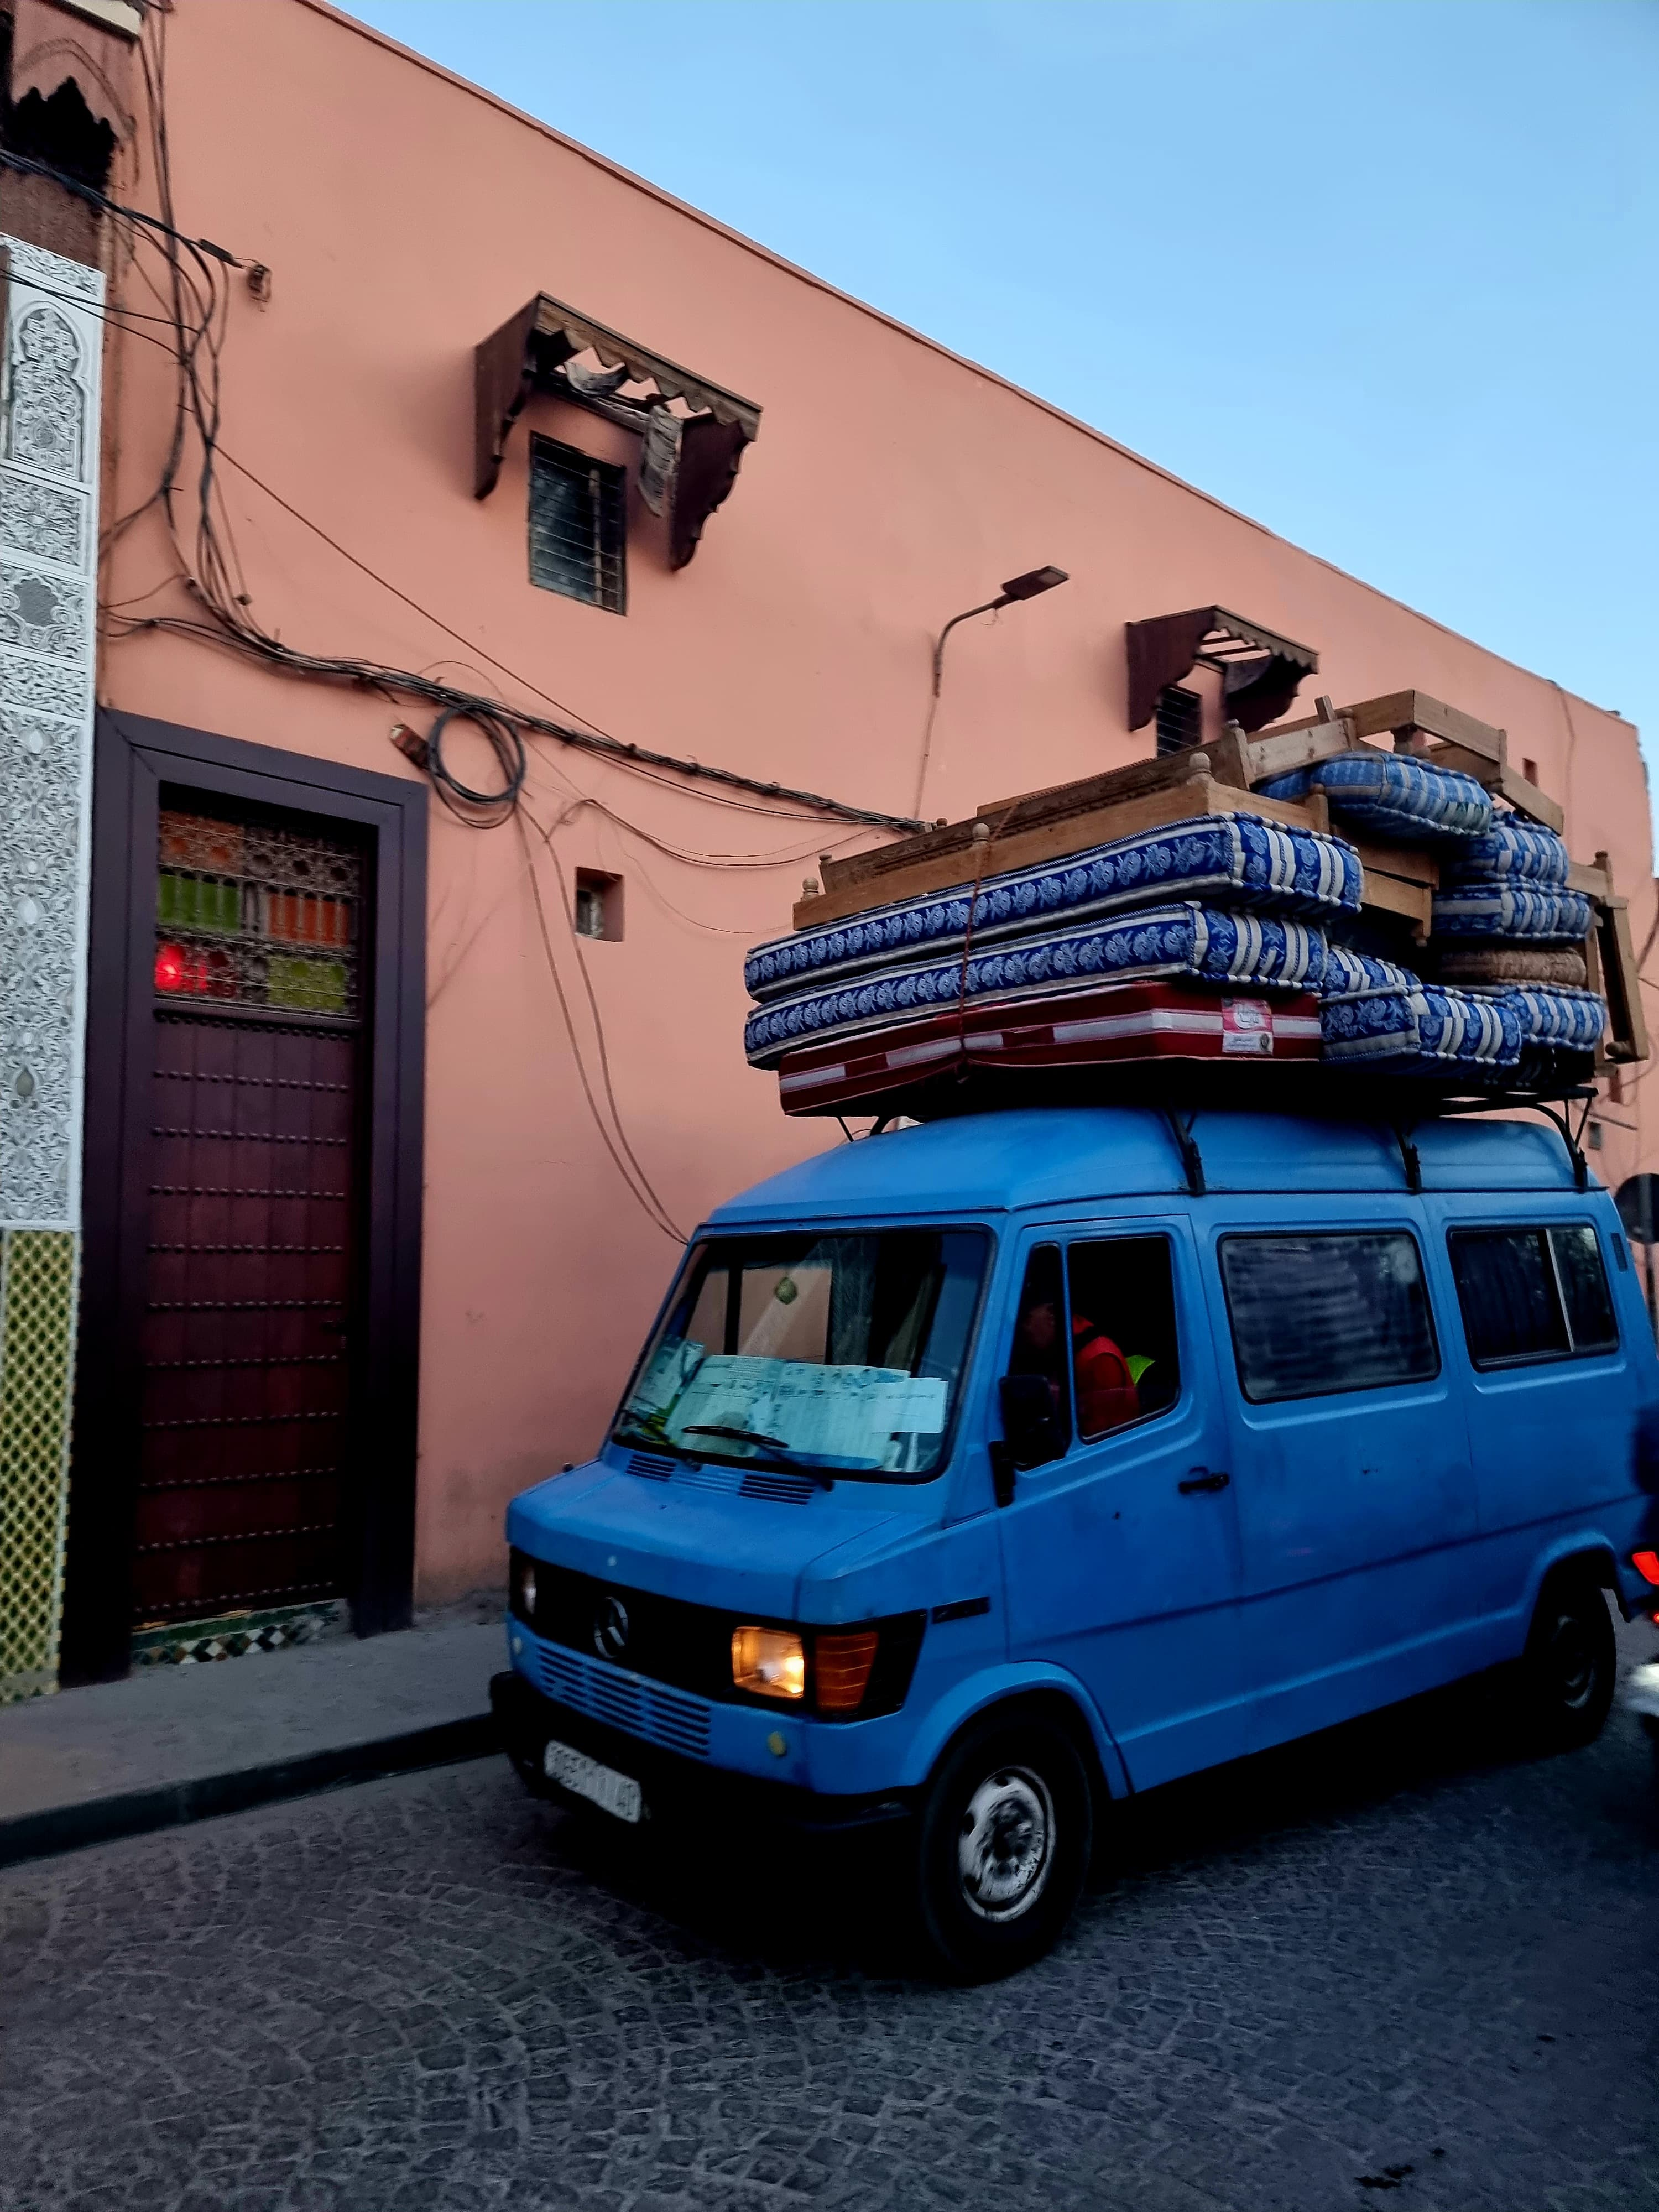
x,y
364,1124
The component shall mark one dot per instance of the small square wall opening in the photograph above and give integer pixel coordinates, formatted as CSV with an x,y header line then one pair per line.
x,y
598,904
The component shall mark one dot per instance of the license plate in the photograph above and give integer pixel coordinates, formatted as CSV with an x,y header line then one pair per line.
x,y
616,1793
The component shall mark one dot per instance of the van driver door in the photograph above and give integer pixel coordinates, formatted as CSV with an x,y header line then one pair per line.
x,y
1121,1552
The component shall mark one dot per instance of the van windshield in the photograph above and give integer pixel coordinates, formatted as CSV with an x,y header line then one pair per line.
x,y
839,1351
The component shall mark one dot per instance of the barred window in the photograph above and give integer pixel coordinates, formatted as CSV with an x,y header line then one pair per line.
x,y
578,525
1180,718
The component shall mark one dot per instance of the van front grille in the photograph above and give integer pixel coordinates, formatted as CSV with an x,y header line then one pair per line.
x,y
625,1701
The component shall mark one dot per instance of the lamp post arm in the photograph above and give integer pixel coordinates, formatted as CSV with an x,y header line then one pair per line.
x,y
990,607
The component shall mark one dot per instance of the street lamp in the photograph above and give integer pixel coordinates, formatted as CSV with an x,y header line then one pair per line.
x,y
1028,587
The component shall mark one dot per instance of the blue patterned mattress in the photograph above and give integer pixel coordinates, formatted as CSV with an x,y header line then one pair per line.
x,y
1460,1029
1556,1015
1512,851
1422,1031
1365,1010
1508,909
1237,859
1394,795
1383,1016
1349,974
1184,938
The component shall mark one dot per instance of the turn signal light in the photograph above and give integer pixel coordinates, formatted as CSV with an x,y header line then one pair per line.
x,y
841,1669
1646,1564
771,1662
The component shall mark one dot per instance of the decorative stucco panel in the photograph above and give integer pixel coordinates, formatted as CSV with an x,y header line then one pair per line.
x,y
48,555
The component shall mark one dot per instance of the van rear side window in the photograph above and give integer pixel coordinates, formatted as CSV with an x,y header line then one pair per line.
x,y
1315,1315
1532,1294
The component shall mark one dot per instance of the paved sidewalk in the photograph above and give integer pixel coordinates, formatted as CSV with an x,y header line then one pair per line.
x,y
174,1744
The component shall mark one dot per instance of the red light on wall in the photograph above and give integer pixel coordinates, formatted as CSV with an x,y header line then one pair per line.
x,y
171,972
1646,1564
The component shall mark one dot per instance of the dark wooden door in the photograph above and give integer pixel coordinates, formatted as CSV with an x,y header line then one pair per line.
x,y
254,1183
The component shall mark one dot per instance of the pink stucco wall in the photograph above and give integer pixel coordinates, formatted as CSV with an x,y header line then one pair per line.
x,y
404,217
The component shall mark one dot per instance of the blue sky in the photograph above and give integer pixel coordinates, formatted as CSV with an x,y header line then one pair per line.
x,y
1384,276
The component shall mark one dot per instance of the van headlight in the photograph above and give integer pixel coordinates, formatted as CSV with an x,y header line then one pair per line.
x,y
770,1661
521,1586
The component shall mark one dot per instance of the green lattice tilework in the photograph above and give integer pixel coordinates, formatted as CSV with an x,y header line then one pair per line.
x,y
38,1269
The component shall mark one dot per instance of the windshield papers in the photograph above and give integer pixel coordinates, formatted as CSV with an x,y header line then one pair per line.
x,y
851,1417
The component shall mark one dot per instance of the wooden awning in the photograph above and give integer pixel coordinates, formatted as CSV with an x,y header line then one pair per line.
x,y
690,458
1260,670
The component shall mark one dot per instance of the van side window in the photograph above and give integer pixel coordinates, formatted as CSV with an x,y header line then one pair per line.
x,y
1532,1294
1039,1345
1338,1311
1125,1362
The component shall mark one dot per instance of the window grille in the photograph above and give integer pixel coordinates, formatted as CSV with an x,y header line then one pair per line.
x,y
1180,718
578,525
252,915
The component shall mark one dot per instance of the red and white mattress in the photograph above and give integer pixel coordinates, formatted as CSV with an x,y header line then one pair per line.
x,y
1145,1021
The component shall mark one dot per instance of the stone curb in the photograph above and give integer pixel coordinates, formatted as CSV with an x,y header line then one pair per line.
x,y
175,1804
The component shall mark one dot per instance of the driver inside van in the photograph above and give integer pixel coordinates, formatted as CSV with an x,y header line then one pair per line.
x,y
1104,1380
1107,1397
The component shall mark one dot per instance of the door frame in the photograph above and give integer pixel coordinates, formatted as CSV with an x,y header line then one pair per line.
x,y
134,756
1200,1735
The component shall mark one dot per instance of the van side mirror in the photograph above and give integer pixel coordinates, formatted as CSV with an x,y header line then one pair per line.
x,y
1031,1431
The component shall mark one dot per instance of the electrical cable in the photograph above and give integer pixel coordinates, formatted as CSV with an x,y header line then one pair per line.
x,y
599,1026
199,332
647,1201
197,295
594,737
505,742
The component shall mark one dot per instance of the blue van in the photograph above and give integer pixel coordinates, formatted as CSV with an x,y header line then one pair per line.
x,y
980,1474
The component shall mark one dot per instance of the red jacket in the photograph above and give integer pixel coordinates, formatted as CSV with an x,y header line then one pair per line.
x,y
1106,1393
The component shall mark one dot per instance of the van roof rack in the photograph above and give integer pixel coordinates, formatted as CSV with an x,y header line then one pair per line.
x,y
1179,1093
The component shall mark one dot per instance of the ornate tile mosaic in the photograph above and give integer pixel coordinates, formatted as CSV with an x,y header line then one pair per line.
x,y
237,1636
38,1268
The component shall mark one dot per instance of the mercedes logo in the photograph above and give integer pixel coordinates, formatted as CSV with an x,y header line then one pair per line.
x,y
610,1628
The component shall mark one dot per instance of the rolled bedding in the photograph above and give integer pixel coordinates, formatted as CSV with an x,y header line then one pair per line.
x,y
1236,860
1559,967
1182,938
1392,795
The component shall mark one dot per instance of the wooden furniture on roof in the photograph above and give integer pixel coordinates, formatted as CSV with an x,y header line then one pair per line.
x,y
1028,828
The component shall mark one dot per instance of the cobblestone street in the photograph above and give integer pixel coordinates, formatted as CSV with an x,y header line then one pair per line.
x,y
1376,1970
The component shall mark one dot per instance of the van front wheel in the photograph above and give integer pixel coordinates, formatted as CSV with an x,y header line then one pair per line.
x,y
1003,1843
1570,1664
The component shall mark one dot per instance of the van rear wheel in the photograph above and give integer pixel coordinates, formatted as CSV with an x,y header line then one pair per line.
x,y
1570,1665
1002,1846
